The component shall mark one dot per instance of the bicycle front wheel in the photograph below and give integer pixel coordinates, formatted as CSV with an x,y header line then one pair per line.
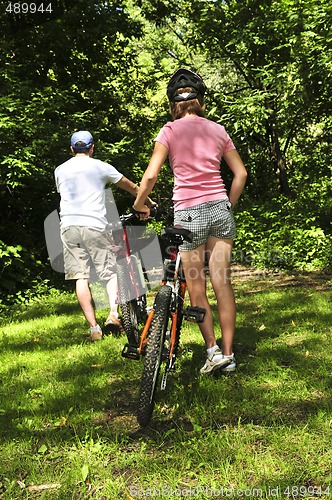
x,y
153,355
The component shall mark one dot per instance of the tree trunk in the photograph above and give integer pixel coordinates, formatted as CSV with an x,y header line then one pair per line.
x,y
277,156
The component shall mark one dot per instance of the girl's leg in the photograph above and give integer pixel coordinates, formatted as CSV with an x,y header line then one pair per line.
x,y
193,265
219,254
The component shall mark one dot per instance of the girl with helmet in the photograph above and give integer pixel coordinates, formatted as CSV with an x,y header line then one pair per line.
x,y
195,147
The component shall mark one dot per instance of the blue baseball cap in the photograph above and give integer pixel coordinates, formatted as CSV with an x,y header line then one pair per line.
x,y
82,136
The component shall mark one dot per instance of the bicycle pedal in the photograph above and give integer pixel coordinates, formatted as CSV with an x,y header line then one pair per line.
x,y
194,314
130,352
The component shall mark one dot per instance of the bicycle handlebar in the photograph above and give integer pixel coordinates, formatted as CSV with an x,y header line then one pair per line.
x,y
155,212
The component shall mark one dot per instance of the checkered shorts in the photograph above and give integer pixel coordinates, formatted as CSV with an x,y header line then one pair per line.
x,y
210,219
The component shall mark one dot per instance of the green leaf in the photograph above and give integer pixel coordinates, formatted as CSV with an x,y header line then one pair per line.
x,y
85,472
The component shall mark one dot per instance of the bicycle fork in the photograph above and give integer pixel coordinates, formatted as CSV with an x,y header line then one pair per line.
x,y
192,314
134,352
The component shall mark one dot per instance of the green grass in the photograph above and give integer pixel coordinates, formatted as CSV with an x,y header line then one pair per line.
x,y
67,408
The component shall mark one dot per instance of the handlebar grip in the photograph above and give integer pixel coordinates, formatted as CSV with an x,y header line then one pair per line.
x,y
136,212
154,211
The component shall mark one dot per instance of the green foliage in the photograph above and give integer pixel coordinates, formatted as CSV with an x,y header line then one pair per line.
x,y
264,79
24,277
282,235
8,255
58,77
14,261
104,66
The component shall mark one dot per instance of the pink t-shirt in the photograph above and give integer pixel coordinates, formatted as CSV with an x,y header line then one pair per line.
x,y
195,148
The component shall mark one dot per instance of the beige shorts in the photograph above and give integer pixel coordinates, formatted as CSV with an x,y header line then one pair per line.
x,y
88,253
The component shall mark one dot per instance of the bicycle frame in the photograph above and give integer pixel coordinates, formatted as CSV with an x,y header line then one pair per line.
x,y
132,287
176,280
169,278
135,285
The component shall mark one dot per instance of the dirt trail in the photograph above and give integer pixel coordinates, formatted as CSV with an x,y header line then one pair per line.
x,y
279,278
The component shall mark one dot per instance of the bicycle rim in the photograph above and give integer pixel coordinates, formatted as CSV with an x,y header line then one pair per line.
x,y
153,355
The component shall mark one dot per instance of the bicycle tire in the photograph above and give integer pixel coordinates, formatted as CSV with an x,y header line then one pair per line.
x,y
131,315
153,355
130,320
123,282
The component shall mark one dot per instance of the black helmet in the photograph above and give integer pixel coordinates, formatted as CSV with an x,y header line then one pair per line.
x,y
185,78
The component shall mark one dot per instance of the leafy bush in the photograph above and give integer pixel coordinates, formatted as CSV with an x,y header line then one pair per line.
x,y
283,234
20,271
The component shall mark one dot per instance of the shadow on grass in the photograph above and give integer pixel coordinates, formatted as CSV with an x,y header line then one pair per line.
x,y
283,372
274,382
37,340
282,386
56,303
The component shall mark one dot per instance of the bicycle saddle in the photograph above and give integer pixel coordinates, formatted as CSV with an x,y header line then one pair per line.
x,y
179,231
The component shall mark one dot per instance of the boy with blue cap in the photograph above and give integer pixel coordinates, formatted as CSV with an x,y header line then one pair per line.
x,y
81,182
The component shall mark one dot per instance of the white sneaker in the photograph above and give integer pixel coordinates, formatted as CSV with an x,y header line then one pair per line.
x,y
215,361
232,365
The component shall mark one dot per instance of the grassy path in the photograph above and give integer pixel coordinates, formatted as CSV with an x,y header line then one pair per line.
x,y
67,408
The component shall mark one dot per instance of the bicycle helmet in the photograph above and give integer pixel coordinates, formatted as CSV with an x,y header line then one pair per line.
x,y
185,78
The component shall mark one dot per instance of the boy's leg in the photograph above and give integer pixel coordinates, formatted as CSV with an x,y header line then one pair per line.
x,y
99,245
111,289
85,300
77,266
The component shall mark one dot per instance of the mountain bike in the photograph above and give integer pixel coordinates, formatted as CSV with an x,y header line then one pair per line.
x,y
132,284
161,333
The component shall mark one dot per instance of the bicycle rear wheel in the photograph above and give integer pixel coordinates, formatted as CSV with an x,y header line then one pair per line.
x,y
130,321
133,314
153,355
133,310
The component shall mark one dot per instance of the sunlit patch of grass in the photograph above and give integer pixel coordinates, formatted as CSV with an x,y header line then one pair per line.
x,y
68,408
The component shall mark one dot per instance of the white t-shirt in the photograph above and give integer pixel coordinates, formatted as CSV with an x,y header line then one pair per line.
x,y
81,183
